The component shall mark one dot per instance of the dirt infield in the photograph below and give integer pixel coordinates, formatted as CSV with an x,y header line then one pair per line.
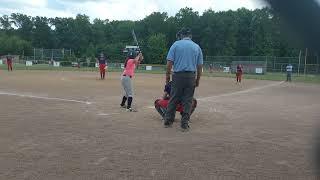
x,y
68,125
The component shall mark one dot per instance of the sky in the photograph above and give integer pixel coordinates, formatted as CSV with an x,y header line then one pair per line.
x,y
117,9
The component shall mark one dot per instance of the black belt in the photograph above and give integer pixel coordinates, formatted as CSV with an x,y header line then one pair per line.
x,y
185,72
128,76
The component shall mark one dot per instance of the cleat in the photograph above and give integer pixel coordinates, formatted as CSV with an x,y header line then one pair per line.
x,y
131,110
167,124
185,127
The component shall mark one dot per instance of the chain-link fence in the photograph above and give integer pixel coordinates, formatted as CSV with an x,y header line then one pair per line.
x,y
310,65
79,64
55,54
302,65
40,54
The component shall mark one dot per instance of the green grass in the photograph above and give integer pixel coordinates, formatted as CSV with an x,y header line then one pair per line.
x,y
268,76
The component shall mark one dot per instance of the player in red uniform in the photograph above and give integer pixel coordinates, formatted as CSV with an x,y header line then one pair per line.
x,y
9,62
239,73
102,60
162,104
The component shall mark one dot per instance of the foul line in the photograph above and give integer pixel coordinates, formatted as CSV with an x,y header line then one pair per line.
x,y
239,92
42,97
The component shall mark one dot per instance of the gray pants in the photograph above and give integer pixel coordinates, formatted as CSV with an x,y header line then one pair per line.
x,y
182,90
127,86
289,74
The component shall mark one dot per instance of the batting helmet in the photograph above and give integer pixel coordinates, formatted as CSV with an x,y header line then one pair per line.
x,y
132,54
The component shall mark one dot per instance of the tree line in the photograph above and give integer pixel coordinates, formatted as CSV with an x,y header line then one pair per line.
x,y
225,33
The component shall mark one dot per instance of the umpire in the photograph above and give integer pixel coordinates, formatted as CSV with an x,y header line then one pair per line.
x,y
186,58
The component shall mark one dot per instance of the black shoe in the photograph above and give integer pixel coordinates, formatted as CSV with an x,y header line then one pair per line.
x,y
167,124
185,127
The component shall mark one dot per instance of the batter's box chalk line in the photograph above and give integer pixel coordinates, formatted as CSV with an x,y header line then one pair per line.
x,y
43,97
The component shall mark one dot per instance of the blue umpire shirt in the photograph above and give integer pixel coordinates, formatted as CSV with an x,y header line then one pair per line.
x,y
185,55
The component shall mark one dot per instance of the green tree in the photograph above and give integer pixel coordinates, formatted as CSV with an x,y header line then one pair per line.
x,y
5,23
155,23
186,17
63,32
244,18
41,33
242,32
101,32
24,24
14,45
156,49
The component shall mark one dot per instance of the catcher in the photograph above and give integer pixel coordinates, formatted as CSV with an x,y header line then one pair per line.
x,y
162,104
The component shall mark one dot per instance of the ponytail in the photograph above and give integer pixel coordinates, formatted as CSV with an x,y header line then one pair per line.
x,y
125,62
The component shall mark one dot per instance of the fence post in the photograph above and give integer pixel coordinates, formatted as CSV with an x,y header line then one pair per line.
x,y
274,64
318,68
41,54
34,54
299,63
266,64
305,61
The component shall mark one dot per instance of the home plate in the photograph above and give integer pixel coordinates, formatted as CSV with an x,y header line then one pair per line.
x,y
103,114
150,107
106,114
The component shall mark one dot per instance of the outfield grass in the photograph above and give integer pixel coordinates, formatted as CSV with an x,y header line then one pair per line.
x,y
268,76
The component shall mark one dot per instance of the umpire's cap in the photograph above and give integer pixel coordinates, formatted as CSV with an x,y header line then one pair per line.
x,y
185,31
132,54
